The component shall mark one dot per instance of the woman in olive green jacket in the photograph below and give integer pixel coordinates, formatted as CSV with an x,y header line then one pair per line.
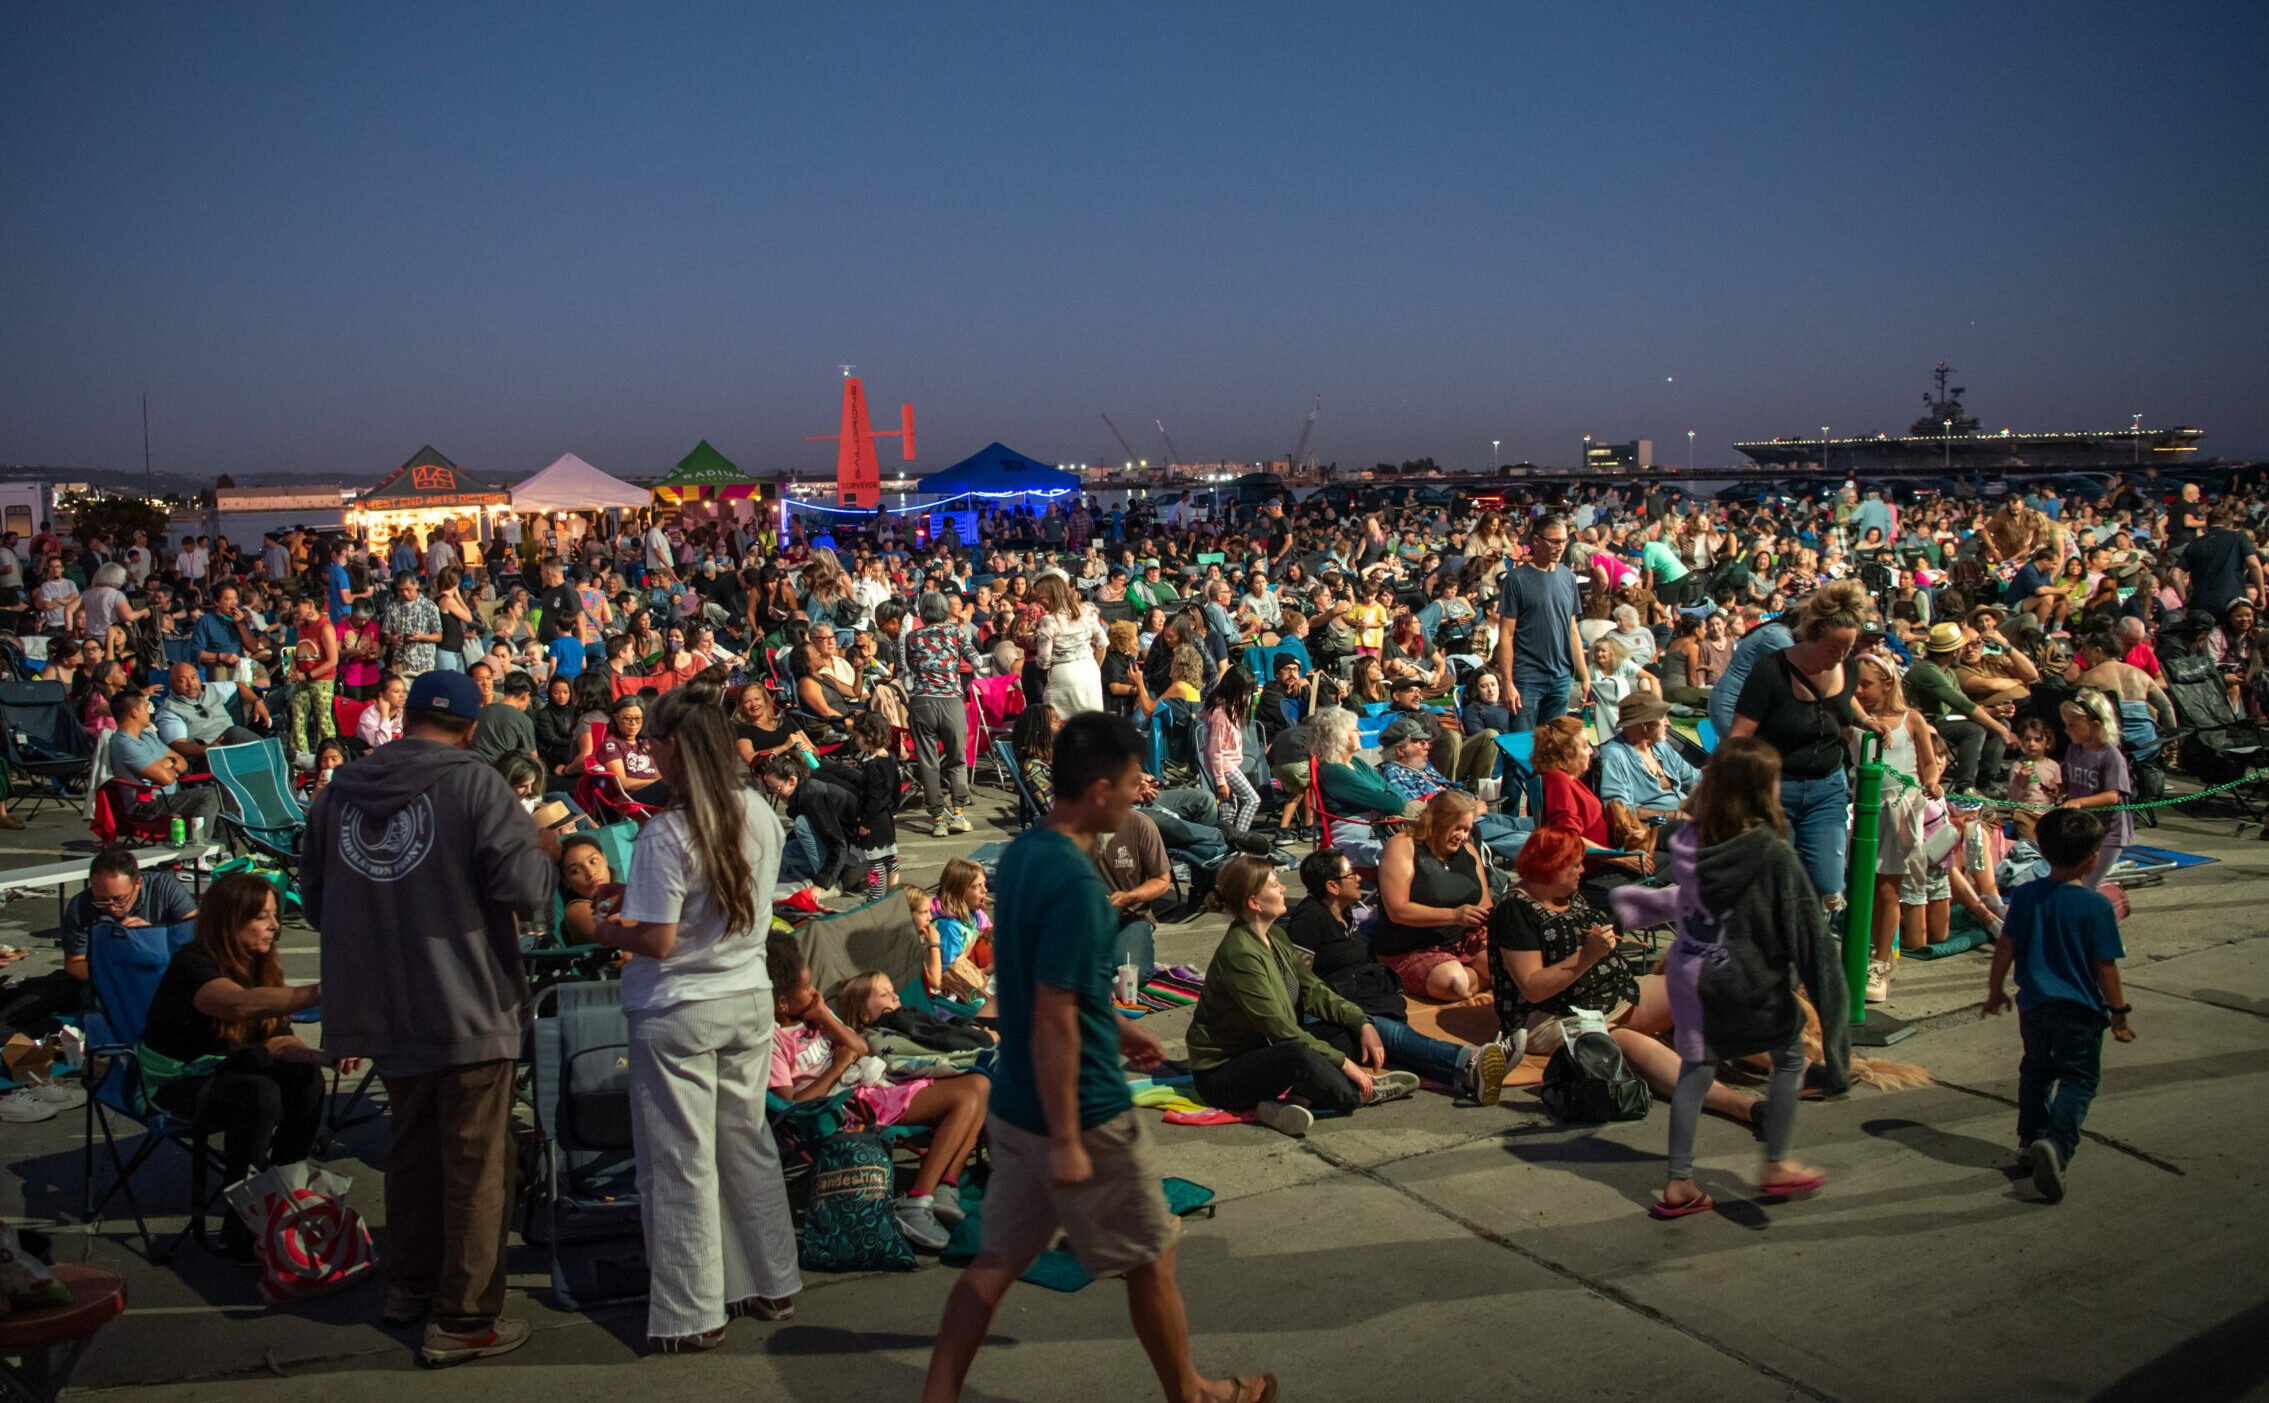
x,y
1249,1045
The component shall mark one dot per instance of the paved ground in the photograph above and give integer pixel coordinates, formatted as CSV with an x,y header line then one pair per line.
x,y
1430,1250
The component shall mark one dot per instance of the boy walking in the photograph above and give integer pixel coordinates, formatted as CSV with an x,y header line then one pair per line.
x,y
2064,941
1068,1148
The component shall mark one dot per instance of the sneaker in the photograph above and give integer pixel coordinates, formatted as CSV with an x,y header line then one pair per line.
x,y
1485,1074
442,1348
686,1344
1878,981
918,1219
1391,1086
758,1308
23,1108
945,1201
939,827
1285,1117
63,1096
1244,840
2048,1170
960,823
1516,1045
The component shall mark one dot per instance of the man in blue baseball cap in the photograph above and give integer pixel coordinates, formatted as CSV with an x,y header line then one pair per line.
x,y
417,862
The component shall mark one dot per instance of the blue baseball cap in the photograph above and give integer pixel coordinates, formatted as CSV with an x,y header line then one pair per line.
x,y
451,692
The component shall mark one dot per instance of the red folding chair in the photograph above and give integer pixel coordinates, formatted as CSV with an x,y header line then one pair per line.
x,y
601,795
994,704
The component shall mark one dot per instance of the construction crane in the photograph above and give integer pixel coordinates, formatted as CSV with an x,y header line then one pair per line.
x,y
1306,429
1122,438
1173,454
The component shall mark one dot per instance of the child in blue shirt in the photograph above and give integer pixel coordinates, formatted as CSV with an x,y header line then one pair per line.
x,y
2063,939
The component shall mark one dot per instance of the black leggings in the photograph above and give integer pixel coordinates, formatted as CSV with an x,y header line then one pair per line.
x,y
1265,1073
265,1111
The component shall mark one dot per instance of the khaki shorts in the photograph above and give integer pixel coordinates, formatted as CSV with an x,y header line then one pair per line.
x,y
1544,1029
1115,1222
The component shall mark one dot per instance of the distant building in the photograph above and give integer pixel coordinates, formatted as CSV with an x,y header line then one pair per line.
x,y
1638,453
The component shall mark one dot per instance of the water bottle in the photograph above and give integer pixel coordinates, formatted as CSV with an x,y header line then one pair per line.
x,y
1973,847
176,831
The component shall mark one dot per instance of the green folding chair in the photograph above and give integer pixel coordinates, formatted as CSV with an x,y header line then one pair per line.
x,y
259,804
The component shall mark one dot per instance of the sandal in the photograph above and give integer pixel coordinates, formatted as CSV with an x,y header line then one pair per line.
x,y
1666,1210
1789,1188
1260,1390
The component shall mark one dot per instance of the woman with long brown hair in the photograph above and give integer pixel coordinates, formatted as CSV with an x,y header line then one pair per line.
x,y
219,1040
696,913
1069,641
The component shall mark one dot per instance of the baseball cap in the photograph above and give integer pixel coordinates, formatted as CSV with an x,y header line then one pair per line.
x,y
1407,683
452,693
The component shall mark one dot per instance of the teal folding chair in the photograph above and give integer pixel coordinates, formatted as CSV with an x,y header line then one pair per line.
x,y
1519,767
259,804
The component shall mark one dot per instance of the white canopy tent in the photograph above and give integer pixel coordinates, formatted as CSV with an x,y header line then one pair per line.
x,y
571,484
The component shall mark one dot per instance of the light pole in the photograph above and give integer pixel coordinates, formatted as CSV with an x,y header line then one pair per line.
x,y
1689,450
1823,448
1949,425
1493,446
2137,440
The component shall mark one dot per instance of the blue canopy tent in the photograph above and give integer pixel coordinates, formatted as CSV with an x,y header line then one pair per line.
x,y
998,471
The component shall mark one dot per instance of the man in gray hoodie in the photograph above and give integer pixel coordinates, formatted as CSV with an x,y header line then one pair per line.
x,y
417,861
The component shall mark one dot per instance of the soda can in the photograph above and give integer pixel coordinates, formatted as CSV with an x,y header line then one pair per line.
x,y
177,831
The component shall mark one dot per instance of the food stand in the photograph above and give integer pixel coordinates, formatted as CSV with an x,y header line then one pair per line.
x,y
422,496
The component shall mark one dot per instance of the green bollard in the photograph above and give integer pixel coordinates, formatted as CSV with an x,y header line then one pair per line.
x,y
1859,870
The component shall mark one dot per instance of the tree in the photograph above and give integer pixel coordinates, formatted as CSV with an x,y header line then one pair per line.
x,y
224,480
116,517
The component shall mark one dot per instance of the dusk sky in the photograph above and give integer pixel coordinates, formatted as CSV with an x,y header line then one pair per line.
x,y
320,236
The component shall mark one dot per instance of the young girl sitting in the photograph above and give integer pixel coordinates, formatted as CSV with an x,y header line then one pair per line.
x,y
2095,773
1222,736
958,962
904,1038
876,843
812,1049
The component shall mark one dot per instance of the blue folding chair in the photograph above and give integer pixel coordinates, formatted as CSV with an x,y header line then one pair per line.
x,y
1706,736
586,1181
180,650
1028,810
124,964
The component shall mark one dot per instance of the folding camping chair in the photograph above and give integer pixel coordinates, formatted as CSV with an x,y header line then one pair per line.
x,y
1028,810
585,1188
2216,745
1520,768
993,705
546,957
42,740
259,803
600,794
124,964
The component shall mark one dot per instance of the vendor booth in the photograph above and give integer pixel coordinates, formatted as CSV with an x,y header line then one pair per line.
x,y
704,474
420,497
572,485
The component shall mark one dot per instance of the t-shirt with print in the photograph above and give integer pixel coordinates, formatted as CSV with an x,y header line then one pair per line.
x,y
633,754
1130,857
800,1053
667,884
1053,924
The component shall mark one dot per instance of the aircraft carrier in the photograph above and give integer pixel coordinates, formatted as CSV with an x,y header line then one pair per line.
x,y
1949,439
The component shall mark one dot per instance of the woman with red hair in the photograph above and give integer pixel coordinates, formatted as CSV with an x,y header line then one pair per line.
x,y
1553,951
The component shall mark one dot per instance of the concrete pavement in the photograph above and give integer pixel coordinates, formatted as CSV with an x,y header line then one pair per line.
x,y
1431,1250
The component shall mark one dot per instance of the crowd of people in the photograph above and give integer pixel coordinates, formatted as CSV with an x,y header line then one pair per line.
x,y
1592,712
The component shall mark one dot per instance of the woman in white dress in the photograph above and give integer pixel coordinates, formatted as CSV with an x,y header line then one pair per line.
x,y
1069,643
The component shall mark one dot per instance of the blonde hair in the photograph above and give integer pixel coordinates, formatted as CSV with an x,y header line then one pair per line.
x,y
1124,637
1441,813
1617,654
1556,743
917,901
1837,604
2097,708
1188,666
851,996
953,888
1891,679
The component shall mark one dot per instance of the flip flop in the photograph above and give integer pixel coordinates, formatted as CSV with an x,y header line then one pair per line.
x,y
1789,1188
1260,1390
1665,1209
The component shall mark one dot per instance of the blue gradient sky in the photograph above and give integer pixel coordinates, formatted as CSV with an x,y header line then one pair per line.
x,y
321,236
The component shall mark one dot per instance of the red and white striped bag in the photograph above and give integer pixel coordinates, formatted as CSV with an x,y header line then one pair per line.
x,y
309,1242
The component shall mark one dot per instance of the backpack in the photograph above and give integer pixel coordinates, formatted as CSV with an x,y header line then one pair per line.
x,y
1587,1082
849,1224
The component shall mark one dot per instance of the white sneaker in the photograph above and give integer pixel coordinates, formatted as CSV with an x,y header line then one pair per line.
x,y
1285,1117
918,1220
62,1095
25,1106
1878,981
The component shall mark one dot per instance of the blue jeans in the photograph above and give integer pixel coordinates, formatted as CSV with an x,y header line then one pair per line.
x,y
1409,1050
2064,1045
1819,825
805,856
1544,697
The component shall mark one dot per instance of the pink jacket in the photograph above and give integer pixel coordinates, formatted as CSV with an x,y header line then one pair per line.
x,y
1223,739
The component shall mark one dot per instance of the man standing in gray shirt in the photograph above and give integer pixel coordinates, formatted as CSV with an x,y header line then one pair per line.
x,y
1540,659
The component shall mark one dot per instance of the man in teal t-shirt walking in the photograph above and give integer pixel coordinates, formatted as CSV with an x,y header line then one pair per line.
x,y
1068,1150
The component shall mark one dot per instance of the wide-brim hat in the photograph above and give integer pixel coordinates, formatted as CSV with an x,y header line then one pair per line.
x,y
1639,708
1945,638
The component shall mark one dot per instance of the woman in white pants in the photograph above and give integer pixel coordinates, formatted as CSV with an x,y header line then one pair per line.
x,y
1070,643
696,913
